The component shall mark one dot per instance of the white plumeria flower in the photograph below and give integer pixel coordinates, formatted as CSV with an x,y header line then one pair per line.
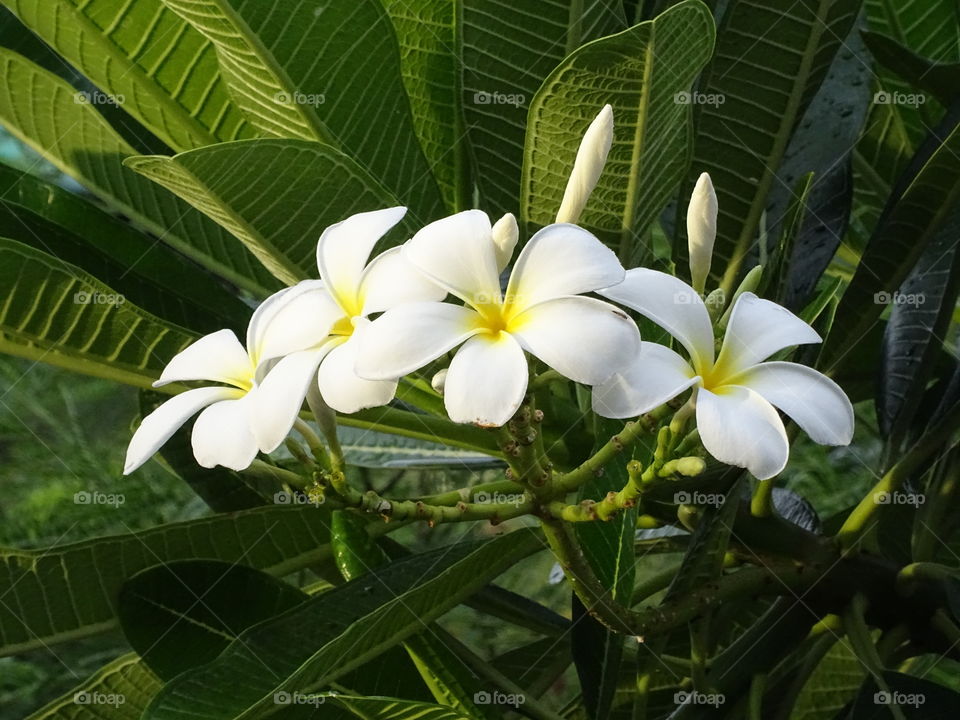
x,y
591,157
321,343
229,431
542,312
735,393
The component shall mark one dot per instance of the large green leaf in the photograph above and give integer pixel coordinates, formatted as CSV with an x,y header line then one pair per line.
x,y
42,110
369,448
327,637
99,697
276,195
63,593
928,27
913,216
327,71
831,685
384,708
641,72
941,79
763,82
147,273
55,312
182,614
158,68
507,50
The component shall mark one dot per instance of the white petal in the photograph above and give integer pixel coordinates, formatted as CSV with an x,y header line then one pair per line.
x,y
218,356
584,339
343,389
458,253
486,381
561,260
344,248
162,423
391,280
701,230
294,319
671,304
814,401
591,157
278,399
407,337
656,374
738,427
222,435
757,329
505,235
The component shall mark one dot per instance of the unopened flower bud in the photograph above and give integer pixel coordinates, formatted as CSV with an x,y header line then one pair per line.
x,y
439,381
701,230
505,234
591,157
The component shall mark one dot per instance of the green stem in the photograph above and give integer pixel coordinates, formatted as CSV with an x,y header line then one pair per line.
x,y
761,504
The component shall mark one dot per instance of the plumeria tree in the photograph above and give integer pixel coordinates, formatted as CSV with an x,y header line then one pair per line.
x,y
596,264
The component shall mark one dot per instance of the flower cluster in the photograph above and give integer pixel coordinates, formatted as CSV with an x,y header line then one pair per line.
x,y
364,324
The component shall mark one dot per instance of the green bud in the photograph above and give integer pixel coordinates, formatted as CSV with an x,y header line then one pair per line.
x,y
750,283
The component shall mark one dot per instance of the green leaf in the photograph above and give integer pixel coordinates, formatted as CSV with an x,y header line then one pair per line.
x,y
286,194
832,684
336,632
927,27
914,336
941,79
384,708
766,81
913,217
641,73
41,110
180,615
508,49
917,698
63,593
54,312
120,690
170,84
369,448
322,71
147,273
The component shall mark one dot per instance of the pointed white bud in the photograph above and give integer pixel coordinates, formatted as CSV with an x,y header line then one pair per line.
x,y
439,381
591,158
701,230
505,234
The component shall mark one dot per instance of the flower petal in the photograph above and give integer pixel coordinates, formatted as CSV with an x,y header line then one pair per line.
x,y
757,329
505,234
671,304
738,427
218,356
291,320
279,397
591,157
561,260
407,337
486,381
344,390
656,374
222,435
814,401
344,248
584,339
391,280
701,230
162,423
458,253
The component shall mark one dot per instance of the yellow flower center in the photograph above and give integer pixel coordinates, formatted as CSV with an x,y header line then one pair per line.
x,y
343,326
